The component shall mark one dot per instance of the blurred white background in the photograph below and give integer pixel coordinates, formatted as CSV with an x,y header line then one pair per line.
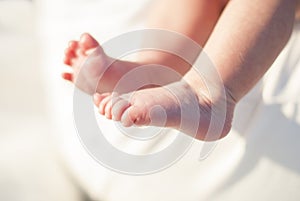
x,y
30,169
33,153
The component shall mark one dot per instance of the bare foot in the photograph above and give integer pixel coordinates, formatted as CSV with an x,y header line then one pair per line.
x,y
177,105
92,70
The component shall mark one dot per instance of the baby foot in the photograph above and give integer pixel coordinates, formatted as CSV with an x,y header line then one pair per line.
x,y
92,69
176,105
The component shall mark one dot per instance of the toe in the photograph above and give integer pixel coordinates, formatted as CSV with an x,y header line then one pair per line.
x,y
118,109
99,97
79,52
103,104
73,44
70,52
87,42
126,118
67,76
67,61
139,115
69,55
107,109
135,116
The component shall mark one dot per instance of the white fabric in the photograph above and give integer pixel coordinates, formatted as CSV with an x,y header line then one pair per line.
x,y
257,161
29,169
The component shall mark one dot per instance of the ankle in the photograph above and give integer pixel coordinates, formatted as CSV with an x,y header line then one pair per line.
x,y
216,102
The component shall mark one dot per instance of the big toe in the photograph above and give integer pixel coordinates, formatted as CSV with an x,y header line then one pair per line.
x,y
135,115
88,42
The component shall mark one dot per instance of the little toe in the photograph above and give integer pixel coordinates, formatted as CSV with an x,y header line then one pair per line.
x,y
87,42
